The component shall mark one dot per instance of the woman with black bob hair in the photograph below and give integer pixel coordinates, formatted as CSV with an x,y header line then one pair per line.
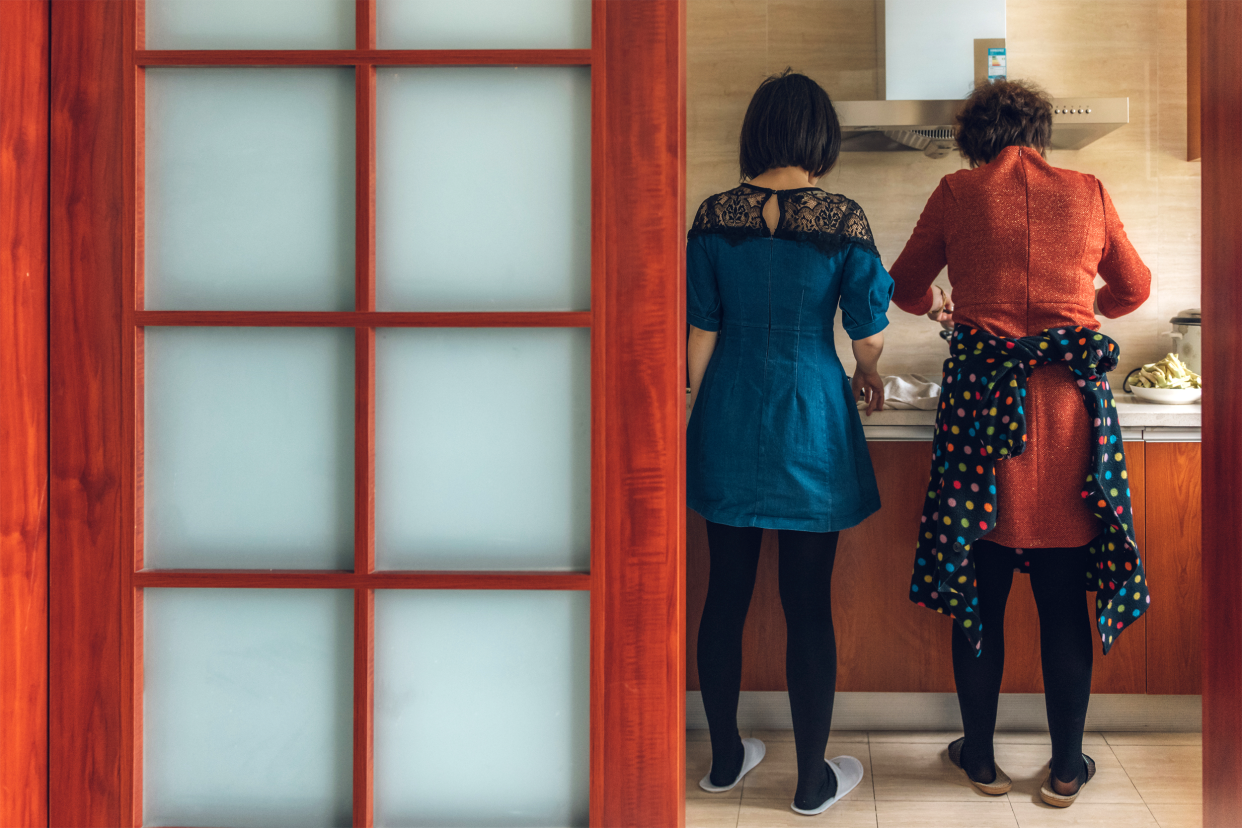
x,y
775,440
1029,472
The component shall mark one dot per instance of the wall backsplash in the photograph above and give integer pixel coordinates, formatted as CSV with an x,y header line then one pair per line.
x,y
1134,48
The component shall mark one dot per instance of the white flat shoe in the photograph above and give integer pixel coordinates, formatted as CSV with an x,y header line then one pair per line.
x,y
849,773
752,754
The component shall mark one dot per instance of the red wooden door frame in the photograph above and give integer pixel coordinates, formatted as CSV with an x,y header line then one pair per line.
x,y
88,715
636,580
1221,77
23,411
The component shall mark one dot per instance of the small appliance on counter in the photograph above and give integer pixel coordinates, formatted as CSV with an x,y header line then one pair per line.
x,y
1187,337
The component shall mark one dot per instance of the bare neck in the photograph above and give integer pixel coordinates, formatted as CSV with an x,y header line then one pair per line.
x,y
784,178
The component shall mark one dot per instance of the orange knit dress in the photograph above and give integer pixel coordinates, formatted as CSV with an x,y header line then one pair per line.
x,y
1023,241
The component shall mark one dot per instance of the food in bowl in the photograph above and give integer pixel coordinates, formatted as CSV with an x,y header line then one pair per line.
x,y
1167,396
1169,372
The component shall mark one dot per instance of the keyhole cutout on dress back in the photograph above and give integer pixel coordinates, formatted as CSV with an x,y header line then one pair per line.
x,y
772,212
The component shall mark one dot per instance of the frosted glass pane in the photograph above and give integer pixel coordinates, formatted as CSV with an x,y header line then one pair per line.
x,y
483,443
249,448
481,708
250,24
484,24
248,707
250,189
484,188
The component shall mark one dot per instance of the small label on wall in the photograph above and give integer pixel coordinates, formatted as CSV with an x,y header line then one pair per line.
x,y
996,64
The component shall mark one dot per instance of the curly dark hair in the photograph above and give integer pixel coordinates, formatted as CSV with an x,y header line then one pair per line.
x,y
790,123
1004,113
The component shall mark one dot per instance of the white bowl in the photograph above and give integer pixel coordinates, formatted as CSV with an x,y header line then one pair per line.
x,y
1167,396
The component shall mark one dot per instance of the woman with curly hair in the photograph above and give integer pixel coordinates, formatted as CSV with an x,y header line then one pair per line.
x,y
1028,472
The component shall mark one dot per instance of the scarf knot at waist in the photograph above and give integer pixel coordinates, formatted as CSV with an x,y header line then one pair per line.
x,y
981,420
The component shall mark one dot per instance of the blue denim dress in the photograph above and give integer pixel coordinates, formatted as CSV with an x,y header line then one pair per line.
x,y
775,438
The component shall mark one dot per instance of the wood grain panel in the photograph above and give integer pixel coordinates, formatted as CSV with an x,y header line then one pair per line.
x,y
884,641
1173,563
640,723
1221,74
23,411
90,746
1124,669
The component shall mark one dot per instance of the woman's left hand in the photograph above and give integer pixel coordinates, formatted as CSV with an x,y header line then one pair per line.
x,y
868,387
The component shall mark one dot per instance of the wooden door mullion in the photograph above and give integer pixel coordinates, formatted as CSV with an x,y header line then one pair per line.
x,y
133,276
364,421
364,695
353,57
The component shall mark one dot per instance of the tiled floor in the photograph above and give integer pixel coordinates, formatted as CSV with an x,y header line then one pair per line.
x,y
1144,780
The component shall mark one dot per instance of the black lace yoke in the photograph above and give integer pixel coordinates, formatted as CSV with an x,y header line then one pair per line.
x,y
826,220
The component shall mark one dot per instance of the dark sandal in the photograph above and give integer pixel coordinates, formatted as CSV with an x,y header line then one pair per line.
x,y
998,786
1049,795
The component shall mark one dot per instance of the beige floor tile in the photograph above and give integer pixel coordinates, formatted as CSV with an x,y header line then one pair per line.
x,y
1041,737
1177,814
1164,773
1027,766
700,735
775,813
788,736
1084,815
1154,738
919,771
711,813
777,776
1011,737
982,814
698,765
938,737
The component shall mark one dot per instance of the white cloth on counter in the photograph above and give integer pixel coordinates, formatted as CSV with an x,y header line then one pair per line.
x,y
909,392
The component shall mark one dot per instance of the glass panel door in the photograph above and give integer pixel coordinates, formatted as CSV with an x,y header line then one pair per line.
x,y
362,337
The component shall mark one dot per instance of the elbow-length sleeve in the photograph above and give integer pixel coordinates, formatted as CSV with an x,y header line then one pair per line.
x,y
702,291
1127,281
923,257
866,286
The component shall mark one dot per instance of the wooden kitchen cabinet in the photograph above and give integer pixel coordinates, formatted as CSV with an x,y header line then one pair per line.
x,y
1172,558
1124,669
885,643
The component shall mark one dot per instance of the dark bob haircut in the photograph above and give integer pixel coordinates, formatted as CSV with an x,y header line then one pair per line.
x,y
790,123
1003,114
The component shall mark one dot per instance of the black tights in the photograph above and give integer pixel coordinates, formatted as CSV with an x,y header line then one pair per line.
x,y
806,560
1066,650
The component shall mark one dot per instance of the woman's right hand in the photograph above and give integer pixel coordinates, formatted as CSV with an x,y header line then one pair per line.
x,y
943,314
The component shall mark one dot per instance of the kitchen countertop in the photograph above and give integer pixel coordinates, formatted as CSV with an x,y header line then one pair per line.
x,y
1133,414
1154,421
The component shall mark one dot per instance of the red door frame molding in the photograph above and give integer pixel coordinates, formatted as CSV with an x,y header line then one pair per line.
x,y
1221,74
637,581
23,411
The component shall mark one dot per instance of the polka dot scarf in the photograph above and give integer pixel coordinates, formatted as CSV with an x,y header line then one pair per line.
x,y
981,421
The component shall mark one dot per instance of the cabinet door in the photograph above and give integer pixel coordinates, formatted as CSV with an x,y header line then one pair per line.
x,y
1124,669
1173,558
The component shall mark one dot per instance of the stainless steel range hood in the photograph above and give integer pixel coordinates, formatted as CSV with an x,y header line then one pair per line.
x,y
929,56
927,126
